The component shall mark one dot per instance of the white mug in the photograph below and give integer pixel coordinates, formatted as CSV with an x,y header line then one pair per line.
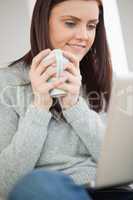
x,y
60,62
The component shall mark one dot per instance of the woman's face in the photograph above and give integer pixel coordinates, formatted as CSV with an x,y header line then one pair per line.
x,y
72,26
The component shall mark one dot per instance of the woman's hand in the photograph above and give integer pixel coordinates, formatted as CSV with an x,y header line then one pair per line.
x,y
73,84
41,70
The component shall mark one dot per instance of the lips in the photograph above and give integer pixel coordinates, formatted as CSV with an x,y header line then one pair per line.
x,y
76,47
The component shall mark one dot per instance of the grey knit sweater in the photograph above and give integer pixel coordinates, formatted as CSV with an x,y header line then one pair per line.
x,y
35,138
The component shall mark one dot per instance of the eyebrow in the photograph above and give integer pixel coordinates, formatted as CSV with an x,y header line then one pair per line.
x,y
78,19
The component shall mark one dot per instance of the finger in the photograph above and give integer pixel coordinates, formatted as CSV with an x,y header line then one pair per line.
x,y
72,89
51,71
38,58
71,78
72,69
69,88
72,58
45,65
64,86
56,83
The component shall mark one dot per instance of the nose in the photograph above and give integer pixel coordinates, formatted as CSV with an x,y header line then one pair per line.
x,y
82,33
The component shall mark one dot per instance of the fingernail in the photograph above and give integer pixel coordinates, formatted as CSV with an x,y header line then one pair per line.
x,y
63,73
48,49
53,65
65,66
63,79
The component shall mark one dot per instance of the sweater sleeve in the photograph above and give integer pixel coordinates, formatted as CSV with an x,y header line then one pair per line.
x,y
21,141
88,125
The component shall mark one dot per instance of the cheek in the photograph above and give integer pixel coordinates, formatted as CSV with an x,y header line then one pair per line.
x,y
58,39
58,35
91,39
54,36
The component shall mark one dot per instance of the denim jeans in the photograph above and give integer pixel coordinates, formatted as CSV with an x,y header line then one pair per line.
x,y
53,185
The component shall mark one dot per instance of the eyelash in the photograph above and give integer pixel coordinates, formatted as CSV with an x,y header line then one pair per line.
x,y
72,24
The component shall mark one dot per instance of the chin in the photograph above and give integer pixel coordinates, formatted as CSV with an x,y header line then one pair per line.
x,y
80,57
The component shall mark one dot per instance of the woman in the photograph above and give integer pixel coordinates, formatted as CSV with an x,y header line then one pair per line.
x,y
61,136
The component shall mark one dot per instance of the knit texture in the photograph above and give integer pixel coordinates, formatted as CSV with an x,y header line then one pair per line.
x,y
35,138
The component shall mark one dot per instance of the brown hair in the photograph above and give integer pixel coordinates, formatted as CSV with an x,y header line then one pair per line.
x,y
96,68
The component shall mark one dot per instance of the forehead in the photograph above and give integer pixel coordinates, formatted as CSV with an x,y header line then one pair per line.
x,y
79,8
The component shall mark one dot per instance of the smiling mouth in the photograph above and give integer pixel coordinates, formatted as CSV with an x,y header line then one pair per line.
x,y
77,47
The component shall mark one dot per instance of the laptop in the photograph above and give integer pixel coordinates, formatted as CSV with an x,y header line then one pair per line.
x,y
115,165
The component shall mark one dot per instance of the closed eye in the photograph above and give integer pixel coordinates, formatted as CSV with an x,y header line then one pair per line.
x,y
70,24
92,26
